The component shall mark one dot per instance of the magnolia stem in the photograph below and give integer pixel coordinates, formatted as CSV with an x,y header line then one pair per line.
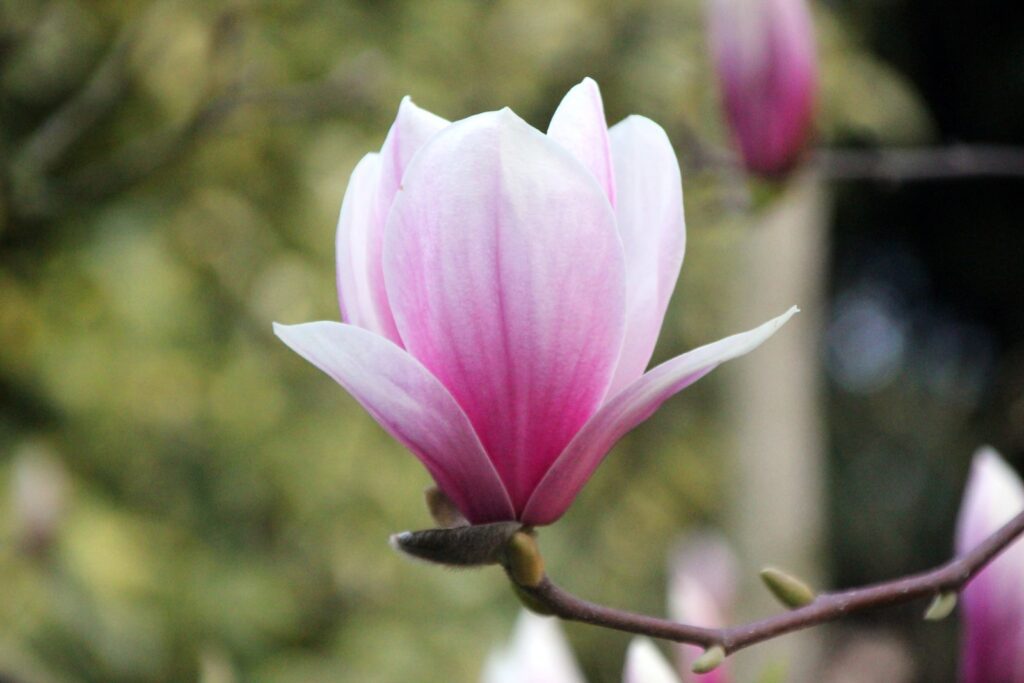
x,y
947,578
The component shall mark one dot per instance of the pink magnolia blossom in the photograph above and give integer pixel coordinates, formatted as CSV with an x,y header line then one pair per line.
x,y
503,290
993,603
764,54
702,592
539,653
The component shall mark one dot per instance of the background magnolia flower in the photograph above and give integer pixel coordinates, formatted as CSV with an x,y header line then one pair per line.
x,y
702,592
503,290
539,653
993,603
646,664
764,54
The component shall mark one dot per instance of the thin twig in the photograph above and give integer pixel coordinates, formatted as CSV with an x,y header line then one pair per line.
x,y
884,164
950,577
915,164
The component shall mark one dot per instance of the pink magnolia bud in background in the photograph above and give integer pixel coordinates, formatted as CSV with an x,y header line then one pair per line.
x,y
503,290
992,646
702,592
764,54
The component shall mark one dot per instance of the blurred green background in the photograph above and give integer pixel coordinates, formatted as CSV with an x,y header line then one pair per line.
x,y
188,500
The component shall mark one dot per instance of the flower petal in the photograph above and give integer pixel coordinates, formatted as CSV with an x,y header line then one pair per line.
x,y
579,125
538,653
355,225
505,273
411,405
993,603
650,219
626,410
412,128
645,664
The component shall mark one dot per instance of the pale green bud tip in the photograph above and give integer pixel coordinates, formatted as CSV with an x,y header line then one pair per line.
x,y
789,590
941,607
523,560
710,660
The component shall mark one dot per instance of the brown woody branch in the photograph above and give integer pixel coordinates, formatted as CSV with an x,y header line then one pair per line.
x,y
948,578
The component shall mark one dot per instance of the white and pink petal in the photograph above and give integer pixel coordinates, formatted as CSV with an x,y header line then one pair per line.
x,y
650,219
355,225
504,270
579,125
412,406
412,128
626,410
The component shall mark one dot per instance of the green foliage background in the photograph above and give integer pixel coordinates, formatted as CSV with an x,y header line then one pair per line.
x,y
171,176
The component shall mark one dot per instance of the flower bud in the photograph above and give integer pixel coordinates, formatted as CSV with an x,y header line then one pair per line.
x,y
941,607
466,546
789,590
523,560
764,55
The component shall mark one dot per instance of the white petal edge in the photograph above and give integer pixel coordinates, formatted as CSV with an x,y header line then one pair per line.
x,y
993,496
649,214
412,129
405,399
579,125
538,653
646,664
355,225
630,407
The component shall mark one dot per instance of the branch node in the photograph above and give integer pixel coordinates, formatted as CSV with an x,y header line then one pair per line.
x,y
710,660
942,606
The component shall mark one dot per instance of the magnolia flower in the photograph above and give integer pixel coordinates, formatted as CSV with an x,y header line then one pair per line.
x,y
993,603
539,653
503,290
764,55
702,592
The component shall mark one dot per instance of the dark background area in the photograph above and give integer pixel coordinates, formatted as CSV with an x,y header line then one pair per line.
x,y
936,270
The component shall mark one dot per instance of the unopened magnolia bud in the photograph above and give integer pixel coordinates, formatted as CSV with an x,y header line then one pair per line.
x,y
466,546
765,59
789,590
442,509
523,560
941,607
710,660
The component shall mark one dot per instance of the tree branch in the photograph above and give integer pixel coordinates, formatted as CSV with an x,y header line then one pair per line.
x,y
886,164
950,577
929,163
